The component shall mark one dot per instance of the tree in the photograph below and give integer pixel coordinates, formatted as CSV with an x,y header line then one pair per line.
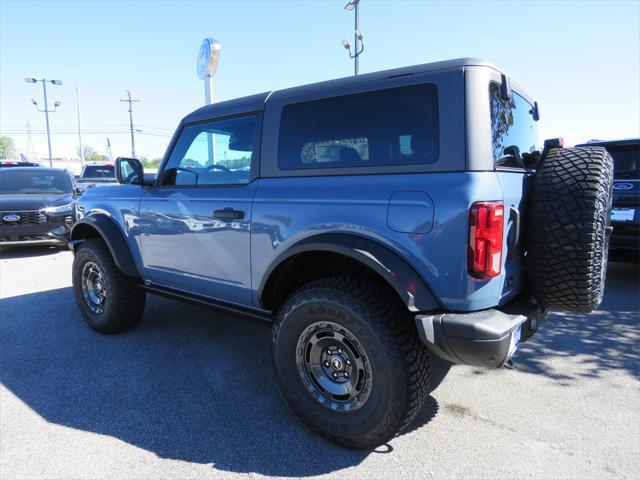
x,y
91,155
501,119
150,162
7,147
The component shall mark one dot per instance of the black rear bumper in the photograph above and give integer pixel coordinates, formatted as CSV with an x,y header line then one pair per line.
x,y
625,237
481,338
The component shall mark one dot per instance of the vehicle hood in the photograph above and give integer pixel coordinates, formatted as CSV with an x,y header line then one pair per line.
x,y
33,201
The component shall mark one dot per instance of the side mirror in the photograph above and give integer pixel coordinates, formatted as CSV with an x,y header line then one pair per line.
x,y
129,170
536,111
78,191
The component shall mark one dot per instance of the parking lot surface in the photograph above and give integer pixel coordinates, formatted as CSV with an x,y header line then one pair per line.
x,y
191,394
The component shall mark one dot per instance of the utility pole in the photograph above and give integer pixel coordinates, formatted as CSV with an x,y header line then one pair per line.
x,y
109,154
31,151
130,101
358,37
356,60
46,108
79,127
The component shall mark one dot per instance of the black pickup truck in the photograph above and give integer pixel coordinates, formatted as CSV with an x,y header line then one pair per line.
x,y
94,174
624,243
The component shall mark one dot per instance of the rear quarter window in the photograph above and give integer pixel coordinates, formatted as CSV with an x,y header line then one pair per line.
x,y
397,126
513,129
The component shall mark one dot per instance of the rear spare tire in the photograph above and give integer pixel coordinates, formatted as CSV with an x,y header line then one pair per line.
x,y
569,227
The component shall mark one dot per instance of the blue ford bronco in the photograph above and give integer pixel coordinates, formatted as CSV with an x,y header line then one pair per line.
x,y
373,221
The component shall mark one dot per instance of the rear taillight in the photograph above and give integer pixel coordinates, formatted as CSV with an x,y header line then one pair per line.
x,y
486,224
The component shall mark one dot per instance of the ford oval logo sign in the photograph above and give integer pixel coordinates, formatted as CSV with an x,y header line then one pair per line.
x,y
623,186
11,218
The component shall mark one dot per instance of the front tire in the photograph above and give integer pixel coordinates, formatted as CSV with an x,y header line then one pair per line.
x,y
108,300
349,361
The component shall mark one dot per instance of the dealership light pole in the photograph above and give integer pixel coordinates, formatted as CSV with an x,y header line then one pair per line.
x,y
358,38
130,101
208,58
46,108
79,127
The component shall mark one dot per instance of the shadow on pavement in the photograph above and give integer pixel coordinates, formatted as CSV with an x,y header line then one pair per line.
x,y
606,340
182,384
191,387
9,253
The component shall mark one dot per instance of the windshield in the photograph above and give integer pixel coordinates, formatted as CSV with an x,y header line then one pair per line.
x,y
103,171
626,161
34,181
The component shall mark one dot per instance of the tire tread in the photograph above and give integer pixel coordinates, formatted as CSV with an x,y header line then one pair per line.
x,y
404,339
127,300
569,211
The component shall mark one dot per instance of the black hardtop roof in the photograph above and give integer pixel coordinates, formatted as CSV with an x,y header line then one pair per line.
x,y
256,102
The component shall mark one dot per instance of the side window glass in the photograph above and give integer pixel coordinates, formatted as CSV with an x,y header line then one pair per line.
x,y
213,153
389,127
405,145
352,150
514,132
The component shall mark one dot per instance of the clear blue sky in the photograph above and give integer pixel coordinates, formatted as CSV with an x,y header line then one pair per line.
x,y
579,59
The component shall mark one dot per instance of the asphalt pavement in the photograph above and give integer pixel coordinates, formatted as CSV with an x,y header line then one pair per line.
x,y
190,393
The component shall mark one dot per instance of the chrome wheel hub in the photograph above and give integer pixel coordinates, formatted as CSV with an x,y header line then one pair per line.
x,y
93,287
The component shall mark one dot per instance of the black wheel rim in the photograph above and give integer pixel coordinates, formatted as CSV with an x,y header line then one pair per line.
x,y
93,287
334,366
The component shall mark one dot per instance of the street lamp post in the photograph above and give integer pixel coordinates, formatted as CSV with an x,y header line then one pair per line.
x,y
358,37
79,126
46,108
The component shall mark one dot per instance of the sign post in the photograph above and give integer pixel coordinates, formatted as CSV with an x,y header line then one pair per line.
x,y
208,58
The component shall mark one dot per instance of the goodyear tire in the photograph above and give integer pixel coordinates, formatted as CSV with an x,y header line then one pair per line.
x,y
349,361
569,228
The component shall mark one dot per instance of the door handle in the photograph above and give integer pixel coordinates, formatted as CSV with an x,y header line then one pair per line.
x,y
228,213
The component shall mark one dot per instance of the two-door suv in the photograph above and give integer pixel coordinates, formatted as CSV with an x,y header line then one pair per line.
x,y
373,220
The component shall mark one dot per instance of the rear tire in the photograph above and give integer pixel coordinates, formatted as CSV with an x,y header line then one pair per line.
x,y
569,228
389,368
108,300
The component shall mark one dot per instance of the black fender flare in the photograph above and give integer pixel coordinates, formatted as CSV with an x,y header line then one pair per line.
x,y
397,272
112,236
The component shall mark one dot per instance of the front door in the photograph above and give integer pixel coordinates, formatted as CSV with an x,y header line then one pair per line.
x,y
195,224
